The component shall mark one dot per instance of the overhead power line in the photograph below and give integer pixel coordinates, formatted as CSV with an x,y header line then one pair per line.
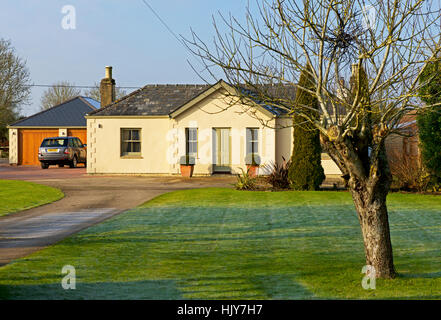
x,y
164,23
74,86
91,87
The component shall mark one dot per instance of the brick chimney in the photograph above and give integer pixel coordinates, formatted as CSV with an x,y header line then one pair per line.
x,y
107,88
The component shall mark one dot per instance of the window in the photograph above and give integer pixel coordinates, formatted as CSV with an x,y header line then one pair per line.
x,y
191,138
54,143
79,143
130,142
252,141
76,143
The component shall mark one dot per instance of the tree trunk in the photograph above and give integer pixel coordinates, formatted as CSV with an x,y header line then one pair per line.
x,y
372,214
369,192
369,179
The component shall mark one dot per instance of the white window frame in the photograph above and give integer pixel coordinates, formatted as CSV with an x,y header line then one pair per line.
x,y
252,140
188,141
130,141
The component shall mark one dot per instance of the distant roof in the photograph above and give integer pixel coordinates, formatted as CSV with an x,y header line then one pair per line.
x,y
270,96
93,102
67,114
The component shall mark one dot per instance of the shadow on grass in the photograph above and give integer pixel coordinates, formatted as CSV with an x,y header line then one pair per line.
x,y
266,287
260,287
430,275
281,287
147,289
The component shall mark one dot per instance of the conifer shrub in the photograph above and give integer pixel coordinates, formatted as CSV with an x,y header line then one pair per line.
x,y
306,171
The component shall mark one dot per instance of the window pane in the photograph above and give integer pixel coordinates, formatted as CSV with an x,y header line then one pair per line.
x,y
192,146
252,140
125,147
126,134
255,147
135,135
136,147
191,136
248,140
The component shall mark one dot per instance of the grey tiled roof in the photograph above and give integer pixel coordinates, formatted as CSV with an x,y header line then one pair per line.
x,y
153,100
161,100
67,114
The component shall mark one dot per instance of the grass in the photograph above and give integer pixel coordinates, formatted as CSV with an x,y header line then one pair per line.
x,y
20,195
227,244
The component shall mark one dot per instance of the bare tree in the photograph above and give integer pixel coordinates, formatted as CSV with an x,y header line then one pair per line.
x,y
14,86
58,93
94,93
381,45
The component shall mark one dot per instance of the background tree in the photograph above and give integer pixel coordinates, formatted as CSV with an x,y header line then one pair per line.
x,y
94,93
429,120
306,171
14,86
337,38
58,93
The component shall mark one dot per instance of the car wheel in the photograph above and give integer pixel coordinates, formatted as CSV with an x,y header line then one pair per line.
x,y
74,162
61,165
44,165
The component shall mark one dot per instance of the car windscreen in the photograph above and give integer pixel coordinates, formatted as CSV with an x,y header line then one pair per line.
x,y
54,143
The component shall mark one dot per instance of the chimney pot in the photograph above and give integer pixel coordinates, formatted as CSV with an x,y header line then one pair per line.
x,y
108,72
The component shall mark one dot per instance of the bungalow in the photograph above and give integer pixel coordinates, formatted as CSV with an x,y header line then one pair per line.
x,y
150,130
65,119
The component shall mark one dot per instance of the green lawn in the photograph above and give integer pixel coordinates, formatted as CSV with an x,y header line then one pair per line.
x,y
227,244
20,195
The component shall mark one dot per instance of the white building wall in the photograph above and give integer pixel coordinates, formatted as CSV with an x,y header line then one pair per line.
x,y
13,146
163,140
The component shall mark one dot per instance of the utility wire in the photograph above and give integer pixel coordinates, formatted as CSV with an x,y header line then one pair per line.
x,y
164,23
73,86
91,87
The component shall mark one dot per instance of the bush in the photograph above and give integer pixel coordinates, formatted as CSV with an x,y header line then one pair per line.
x,y
279,174
245,181
429,120
429,129
408,174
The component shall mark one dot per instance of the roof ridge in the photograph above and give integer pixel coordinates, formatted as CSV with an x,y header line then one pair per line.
x,y
83,98
198,95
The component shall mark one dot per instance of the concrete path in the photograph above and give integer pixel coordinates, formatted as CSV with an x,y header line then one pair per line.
x,y
88,200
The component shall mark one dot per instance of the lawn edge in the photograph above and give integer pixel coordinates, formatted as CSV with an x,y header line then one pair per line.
x,y
61,196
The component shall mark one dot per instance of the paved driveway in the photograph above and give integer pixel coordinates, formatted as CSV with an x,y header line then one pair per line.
x,y
88,200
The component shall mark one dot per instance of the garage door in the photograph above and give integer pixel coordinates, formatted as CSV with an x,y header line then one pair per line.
x,y
29,140
79,133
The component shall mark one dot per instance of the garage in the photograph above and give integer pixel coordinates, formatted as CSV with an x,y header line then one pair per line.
x,y
29,141
65,119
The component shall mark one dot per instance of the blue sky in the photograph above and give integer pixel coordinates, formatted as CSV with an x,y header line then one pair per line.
x,y
120,33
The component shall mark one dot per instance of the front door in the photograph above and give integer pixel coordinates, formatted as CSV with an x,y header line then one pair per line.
x,y
222,150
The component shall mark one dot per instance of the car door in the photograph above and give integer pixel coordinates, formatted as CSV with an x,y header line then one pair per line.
x,y
81,150
72,148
